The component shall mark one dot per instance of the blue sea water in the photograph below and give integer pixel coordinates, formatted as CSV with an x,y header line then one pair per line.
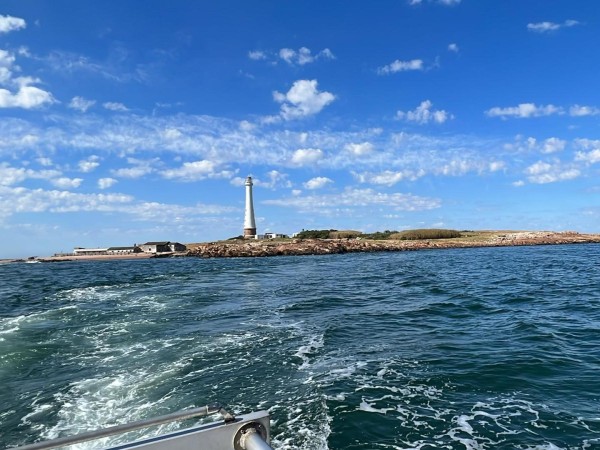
x,y
492,348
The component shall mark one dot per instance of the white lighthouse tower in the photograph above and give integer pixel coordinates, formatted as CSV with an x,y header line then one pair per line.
x,y
249,223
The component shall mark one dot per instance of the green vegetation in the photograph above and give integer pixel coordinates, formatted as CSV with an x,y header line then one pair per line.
x,y
379,235
314,234
344,234
433,233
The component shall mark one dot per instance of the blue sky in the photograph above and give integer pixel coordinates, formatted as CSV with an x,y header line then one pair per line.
x,y
123,122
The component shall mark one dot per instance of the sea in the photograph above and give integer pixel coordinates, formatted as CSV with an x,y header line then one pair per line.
x,y
484,348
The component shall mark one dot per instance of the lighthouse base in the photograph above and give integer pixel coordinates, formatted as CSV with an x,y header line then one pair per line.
x,y
249,233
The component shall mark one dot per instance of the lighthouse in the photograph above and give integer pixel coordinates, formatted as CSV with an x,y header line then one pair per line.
x,y
249,223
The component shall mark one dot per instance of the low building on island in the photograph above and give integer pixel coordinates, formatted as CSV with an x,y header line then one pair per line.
x,y
148,247
162,247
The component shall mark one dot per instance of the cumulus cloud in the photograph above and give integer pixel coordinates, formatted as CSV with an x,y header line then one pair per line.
x,y
257,55
303,55
24,94
495,166
10,23
26,97
306,156
302,100
524,110
364,148
356,198
317,183
89,164
139,169
553,145
580,111
299,57
424,114
545,27
591,153
115,106
543,172
12,175
388,177
453,48
105,183
81,104
401,66
196,170
67,183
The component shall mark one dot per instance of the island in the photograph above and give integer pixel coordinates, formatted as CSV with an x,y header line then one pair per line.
x,y
391,243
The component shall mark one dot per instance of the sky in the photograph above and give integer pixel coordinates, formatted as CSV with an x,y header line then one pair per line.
x,y
123,122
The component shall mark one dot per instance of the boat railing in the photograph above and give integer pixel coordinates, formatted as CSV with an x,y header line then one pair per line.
x,y
247,432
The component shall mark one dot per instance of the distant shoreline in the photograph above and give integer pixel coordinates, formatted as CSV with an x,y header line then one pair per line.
x,y
299,247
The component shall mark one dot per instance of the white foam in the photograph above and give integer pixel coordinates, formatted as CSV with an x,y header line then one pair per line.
x,y
307,350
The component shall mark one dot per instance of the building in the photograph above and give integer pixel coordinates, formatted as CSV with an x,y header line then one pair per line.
x,y
79,251
162,247
275,235
249,222
123,250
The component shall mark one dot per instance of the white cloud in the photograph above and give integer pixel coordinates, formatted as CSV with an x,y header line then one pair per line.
x,y
67,183
591,157
423,114
81,104
299,57
195,170
89,164
12,175
495,166
105,183
545,27
356,198
139,169
172,134
580,111
305,156
361,149
27,97
388,177
401,66
257,55
542,172
115,106
553,145
524,110
453,48
303,55
317,183
302,100
10,23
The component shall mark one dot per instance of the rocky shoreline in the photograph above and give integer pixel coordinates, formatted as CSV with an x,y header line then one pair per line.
x,y
248,248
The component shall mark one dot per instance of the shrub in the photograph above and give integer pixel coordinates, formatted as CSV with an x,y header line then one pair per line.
x,y
314,234
344,234
431,233
379,235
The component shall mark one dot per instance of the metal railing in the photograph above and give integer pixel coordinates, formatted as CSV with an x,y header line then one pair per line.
x,y
120,429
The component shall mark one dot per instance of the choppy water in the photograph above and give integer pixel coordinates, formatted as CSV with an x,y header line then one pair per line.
x,y
477,348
